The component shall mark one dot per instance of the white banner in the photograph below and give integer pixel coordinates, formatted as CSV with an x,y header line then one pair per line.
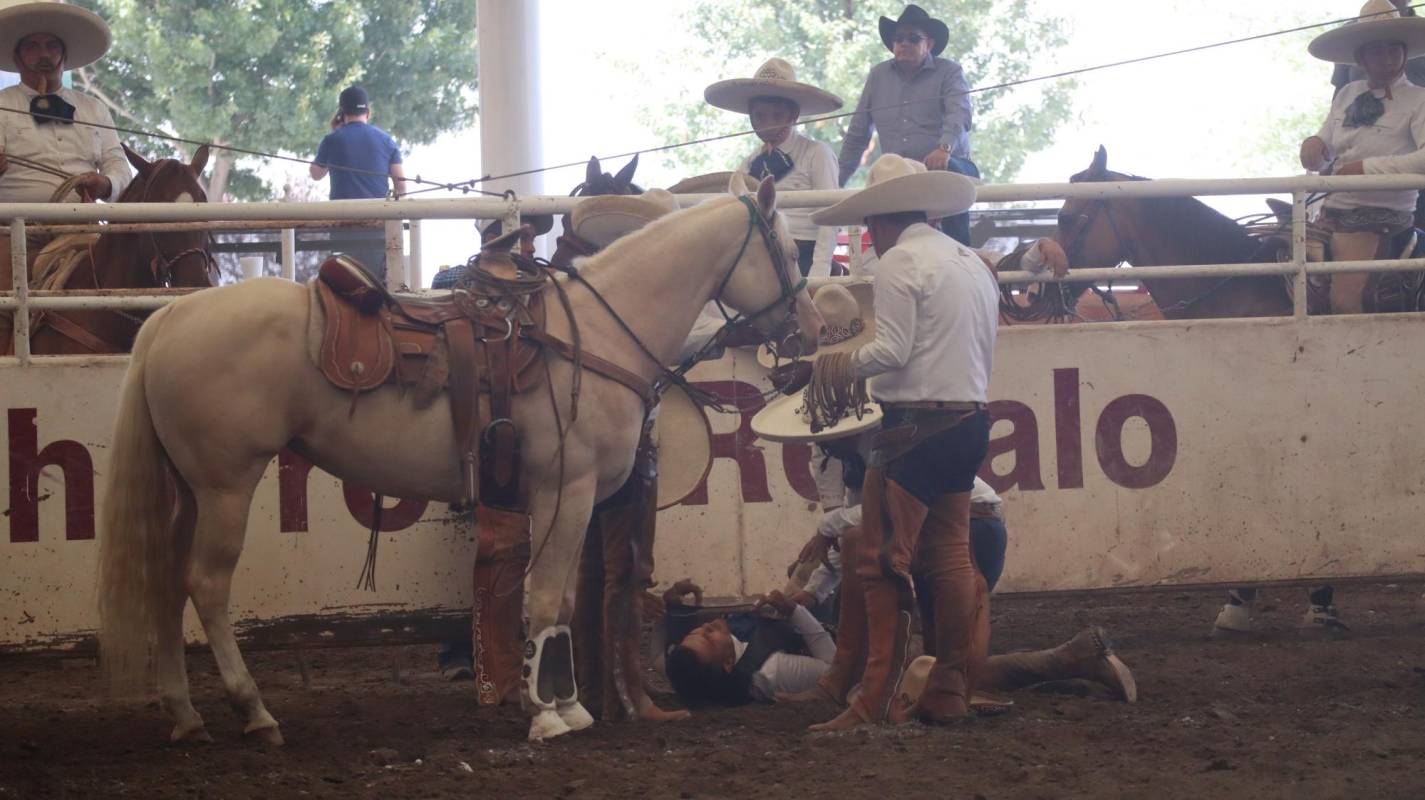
x,y
1128,454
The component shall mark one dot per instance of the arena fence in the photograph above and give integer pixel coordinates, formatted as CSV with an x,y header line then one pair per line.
x,y
1130,454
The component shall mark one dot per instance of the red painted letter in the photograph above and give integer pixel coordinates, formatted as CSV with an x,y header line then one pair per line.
x,y
738,445
1068,438
1162,432
27,461
1022,441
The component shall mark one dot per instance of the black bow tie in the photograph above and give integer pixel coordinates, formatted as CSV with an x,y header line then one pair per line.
x,y
48,108
775,163
1364,110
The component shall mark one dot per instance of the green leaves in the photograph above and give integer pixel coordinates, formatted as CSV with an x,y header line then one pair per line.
x,y
265,74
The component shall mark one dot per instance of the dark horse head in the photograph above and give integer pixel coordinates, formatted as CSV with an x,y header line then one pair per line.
x,y
596,182
1163,231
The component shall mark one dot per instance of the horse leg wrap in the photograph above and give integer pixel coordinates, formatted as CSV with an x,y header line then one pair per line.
x,y
542,664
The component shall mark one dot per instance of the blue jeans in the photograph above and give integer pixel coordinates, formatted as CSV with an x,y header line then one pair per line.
x,y
958,226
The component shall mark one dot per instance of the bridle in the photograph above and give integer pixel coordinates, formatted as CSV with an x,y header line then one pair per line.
x,y
161,266
676,376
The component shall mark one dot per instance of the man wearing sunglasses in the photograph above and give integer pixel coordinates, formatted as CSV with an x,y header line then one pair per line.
x,y
918,105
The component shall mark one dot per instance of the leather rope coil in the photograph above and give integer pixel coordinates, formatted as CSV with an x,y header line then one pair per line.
x,y
834,392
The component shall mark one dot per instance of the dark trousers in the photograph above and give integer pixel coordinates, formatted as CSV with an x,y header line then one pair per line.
x,y
805,250
958,226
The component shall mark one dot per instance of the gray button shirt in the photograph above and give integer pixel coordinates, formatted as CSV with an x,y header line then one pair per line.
x,y
912,116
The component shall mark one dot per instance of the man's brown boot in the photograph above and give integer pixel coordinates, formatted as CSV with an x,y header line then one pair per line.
x,y
1087,656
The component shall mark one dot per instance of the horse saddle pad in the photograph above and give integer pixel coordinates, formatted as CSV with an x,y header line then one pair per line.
x,y
370,337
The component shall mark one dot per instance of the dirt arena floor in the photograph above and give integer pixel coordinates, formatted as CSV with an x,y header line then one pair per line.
x,y
1277,716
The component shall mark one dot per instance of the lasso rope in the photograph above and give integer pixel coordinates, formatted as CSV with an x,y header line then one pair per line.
x,y
834,392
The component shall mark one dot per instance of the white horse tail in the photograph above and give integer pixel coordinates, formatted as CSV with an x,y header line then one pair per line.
x,y
137,547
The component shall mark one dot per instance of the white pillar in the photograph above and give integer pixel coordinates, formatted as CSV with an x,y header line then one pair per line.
x,y
510,127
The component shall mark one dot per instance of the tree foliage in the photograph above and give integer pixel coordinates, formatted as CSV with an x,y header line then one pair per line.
x,y
834,43
265,74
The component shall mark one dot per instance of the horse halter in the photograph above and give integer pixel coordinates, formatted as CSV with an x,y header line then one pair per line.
x,y
778,258
161,265
1074,246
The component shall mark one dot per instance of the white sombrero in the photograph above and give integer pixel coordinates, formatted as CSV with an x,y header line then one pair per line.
x,y
601,220
775,78
85,34
1379,21
899,184
711,183
684,440
848,311
786,420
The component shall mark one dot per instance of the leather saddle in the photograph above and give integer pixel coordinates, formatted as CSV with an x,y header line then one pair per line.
x,y
480,345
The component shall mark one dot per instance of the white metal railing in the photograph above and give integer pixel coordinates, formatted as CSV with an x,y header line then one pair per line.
x,y
509,209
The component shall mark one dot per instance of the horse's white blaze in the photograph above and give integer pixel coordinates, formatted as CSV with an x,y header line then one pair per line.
x,y
184,198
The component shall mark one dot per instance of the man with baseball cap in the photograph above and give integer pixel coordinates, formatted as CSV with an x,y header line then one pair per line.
x,y
937,312
362,160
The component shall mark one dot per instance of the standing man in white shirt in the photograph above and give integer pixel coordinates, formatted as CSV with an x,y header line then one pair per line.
x,y
1376,126
773,99
937,314
41,146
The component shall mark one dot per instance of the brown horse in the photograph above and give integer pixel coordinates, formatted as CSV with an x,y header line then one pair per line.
x,y
1163,231
142,260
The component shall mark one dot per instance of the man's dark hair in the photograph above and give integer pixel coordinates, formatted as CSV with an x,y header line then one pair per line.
x,y
699,685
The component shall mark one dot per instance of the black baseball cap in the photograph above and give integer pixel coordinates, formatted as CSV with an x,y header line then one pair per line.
x,y
354,101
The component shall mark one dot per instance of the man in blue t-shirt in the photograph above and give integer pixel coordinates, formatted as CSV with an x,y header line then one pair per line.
x,y
363,154
361,158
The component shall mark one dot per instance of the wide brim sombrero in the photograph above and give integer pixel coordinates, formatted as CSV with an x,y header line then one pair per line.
x,y
684,440
1339,45
602,220
85,35
711,183
785,420
838,341
775,78
895,185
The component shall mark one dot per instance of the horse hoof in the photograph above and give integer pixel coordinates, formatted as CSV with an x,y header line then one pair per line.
x,y
270,735
196,733
547,724
575,715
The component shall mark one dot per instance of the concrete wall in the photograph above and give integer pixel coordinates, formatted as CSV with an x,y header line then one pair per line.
x,y
1129,454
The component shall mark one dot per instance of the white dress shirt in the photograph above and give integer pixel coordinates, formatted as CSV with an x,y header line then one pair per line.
x,y
788,672
937,314
73,149
1392,145
813,167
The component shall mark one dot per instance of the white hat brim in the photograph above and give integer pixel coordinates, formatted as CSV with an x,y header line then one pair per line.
x,y
938,194
684,439
601,221
85,35
1339,45
781,421
736,94
865,294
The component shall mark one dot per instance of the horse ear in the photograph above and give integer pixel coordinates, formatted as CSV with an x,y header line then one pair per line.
x,y
137,160
767,197
594,171
200,160
1100,162
737,184
625,175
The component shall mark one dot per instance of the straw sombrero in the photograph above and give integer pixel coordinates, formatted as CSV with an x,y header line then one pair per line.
x,y
1379,21
684,440
711,183
848,309
85,34
899,184
786,420
601,220
775,78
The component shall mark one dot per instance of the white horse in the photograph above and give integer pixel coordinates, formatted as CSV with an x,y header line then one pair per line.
x,y
222,380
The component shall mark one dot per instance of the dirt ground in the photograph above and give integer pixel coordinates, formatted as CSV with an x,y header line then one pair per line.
x,y
1277,716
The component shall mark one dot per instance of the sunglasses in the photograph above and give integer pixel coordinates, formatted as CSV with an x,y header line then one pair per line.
x,y
908,38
